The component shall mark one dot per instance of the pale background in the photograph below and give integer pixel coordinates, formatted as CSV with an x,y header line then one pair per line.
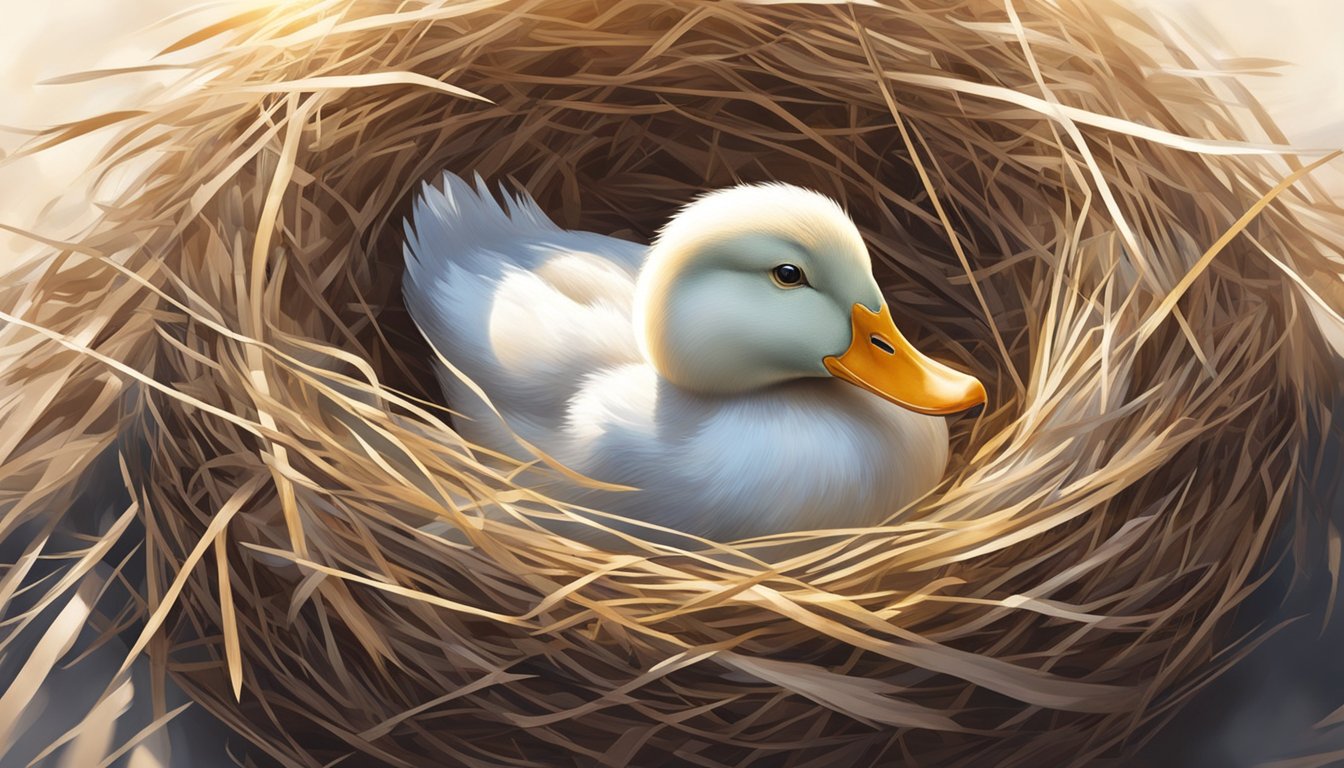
x,y
1262,711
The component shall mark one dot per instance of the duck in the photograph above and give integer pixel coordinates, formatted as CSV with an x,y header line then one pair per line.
x,y
739,377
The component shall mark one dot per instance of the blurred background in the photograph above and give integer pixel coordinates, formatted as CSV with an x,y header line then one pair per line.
x,y
1264,712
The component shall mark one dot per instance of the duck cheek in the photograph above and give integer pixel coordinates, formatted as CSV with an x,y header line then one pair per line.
x,y
806,335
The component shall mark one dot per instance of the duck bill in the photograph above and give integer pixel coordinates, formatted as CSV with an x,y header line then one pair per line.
x,y
880,360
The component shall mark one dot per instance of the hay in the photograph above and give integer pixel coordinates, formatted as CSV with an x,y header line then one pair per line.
x,y
232,331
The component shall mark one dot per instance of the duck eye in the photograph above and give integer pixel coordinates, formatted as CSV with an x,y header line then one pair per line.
x,y
788,276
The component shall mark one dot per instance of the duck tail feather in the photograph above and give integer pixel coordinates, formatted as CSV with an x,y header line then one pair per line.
x,y
523,208
469,218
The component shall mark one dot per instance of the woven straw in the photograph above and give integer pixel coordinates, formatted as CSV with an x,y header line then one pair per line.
x,y
1083,230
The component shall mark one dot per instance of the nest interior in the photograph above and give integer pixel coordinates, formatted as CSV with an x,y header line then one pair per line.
x,y
231,333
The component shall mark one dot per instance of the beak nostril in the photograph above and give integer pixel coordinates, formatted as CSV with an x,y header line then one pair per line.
x,y
882,344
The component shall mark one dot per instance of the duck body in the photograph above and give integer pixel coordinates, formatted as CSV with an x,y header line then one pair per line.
x,y
543,322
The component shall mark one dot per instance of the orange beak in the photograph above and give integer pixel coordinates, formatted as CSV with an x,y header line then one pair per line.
x,y
880,360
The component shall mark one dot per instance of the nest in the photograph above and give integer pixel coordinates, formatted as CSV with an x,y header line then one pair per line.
x,y
231,333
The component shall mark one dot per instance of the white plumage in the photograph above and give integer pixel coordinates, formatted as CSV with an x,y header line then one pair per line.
x,y
542,320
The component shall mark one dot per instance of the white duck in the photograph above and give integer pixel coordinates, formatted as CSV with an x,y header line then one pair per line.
x,y
712,370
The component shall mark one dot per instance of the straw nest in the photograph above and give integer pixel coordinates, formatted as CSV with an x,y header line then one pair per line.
x,y
231,333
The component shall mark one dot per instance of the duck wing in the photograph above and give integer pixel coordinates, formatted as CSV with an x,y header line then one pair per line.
x,y
524,309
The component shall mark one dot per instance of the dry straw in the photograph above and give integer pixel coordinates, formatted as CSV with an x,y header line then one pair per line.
x,y
1047,207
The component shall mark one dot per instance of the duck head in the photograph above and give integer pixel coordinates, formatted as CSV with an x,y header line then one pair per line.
x,y
759,284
